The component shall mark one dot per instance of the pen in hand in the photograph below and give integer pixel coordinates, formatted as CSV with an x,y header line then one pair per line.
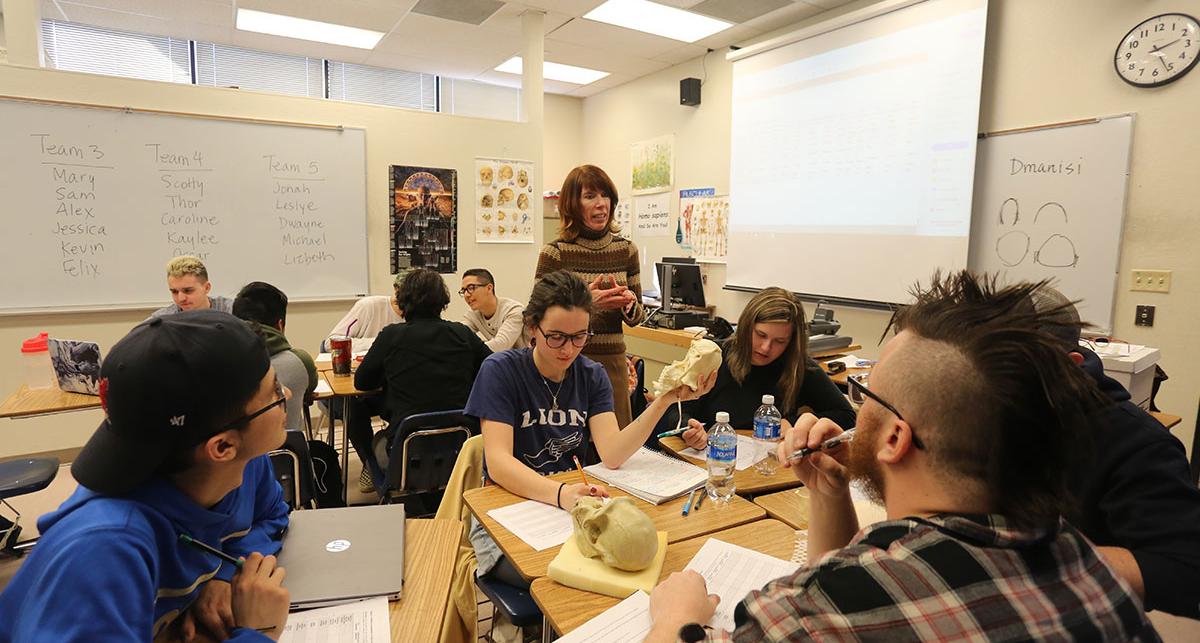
x,y
830,444
188,540
679,431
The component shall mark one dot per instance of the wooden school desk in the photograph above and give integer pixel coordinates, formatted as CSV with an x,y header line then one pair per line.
x,y
344,389
667,517
27,402
748,481
566,608
429,550
789,506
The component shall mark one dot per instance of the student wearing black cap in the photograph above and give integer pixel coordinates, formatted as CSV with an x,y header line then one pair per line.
x,y
191,408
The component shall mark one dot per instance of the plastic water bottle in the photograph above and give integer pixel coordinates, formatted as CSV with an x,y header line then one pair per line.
x,y
767,422
722,457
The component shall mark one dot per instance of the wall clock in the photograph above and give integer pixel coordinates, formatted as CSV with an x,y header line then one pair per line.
x,y
1159,50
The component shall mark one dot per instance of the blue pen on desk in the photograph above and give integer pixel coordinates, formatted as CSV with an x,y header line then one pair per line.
x,y
188,540
687,506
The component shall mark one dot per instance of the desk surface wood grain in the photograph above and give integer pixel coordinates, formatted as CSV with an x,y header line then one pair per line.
x,y
748,482
27,402
429,550
666,517
566,608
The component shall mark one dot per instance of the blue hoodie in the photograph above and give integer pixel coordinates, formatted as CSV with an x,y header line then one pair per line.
x,y
111,568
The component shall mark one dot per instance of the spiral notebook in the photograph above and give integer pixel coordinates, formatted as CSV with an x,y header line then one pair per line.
x,y
652,476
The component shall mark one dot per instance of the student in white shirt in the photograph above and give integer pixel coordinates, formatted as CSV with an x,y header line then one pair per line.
x,y
367,317
496,320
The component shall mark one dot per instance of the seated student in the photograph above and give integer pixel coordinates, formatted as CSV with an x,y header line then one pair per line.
x,y
497,320
425,364
540,406
265,306
368,316
187,279
1134,497
970,461
191,407
768,355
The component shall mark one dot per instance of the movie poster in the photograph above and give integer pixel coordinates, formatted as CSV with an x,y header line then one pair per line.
x,y
424,218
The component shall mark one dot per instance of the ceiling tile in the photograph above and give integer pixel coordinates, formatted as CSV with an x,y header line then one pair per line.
x,y
573,8
509,19
607,37
738,11
376,15
825,5
603,60
681,54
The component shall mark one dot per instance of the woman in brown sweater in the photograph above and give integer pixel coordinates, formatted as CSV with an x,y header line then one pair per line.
x,y
588,246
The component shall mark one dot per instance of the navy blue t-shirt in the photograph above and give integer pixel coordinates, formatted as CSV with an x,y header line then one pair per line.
x,y
510,389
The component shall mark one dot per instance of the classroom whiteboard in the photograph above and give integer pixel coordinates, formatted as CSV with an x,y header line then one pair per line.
x,y
1050,203
96,201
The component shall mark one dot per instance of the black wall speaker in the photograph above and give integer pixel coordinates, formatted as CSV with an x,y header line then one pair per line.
x,y
689,91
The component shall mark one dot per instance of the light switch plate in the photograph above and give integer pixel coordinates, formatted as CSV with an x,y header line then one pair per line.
x,y
1151,281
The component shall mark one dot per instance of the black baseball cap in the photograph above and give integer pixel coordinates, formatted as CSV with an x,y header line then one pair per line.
x,y
162,387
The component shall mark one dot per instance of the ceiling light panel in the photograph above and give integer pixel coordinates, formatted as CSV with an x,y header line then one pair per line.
x,y
556,71
291,27
657,19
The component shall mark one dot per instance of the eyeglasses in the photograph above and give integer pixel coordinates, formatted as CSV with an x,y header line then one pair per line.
x,y
558,340
469,289
859,394
247,418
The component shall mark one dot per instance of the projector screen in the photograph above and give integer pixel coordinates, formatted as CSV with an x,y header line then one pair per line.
x,y
853,154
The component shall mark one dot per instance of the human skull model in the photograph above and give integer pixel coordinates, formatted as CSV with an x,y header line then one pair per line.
x,y
616,532
703,357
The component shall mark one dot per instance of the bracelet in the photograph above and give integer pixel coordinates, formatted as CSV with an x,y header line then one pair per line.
x,y
558,497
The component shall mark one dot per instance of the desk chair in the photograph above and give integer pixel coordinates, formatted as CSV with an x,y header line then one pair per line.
x,y
17,478
516,604
421,453
294,471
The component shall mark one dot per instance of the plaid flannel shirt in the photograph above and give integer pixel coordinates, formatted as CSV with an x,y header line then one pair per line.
x,y
948,578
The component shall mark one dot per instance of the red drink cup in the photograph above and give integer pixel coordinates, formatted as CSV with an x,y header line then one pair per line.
x,y
341,350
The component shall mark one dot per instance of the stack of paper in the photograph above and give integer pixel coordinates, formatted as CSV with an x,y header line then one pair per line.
x,y
626,621
729,571
652,476
362,622
538,524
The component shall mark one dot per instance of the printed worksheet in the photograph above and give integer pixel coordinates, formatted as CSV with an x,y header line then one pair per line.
x,y
537,523
626,621
731,572
362,622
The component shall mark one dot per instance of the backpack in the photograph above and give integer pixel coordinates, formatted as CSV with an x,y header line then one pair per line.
x,y
327,475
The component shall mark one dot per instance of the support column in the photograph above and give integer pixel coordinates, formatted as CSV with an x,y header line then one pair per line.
x,y
23,32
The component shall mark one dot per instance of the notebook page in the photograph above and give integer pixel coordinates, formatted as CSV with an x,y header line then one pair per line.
x,y
653,474
626,621
731,572
537,523
362,622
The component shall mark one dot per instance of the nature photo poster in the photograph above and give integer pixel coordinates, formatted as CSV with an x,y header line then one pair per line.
x,y
653,164
504,201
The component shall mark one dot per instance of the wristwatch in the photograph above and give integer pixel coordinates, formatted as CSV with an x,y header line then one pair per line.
x,y
692,632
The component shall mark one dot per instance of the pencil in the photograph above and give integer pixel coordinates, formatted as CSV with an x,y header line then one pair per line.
x,y
188,540
687,506
580,468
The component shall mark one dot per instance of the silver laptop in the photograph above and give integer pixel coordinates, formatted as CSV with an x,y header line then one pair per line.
x,y
341,555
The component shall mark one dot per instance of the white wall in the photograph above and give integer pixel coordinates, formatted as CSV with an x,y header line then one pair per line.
x,y
394,136
1035,72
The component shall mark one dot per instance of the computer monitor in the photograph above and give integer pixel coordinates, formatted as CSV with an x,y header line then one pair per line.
x,y
682,286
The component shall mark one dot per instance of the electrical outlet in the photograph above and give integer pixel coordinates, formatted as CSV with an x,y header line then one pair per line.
x,y
1144,316
1151,281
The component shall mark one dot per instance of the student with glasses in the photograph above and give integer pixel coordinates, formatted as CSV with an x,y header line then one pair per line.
x,y
498,321
191,408
541,406
975,546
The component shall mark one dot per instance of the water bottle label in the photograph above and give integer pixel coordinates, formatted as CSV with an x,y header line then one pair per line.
x,y
722,454
766,429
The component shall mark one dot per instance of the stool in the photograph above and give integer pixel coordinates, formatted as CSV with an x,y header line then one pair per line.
x,y
17,478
